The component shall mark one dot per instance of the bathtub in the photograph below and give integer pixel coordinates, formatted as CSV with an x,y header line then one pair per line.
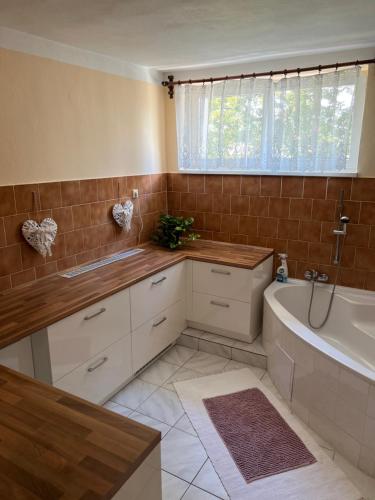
x,y
327,376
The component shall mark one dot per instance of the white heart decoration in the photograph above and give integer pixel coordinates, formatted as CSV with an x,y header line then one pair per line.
x,y
122,213
40,236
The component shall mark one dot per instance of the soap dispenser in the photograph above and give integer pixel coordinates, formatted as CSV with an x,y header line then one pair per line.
x,y
282,270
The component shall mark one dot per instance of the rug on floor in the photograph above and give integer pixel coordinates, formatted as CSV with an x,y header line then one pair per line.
x,y
256,435
321,480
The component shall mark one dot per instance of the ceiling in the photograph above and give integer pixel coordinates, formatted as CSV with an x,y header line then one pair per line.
x,y
169,34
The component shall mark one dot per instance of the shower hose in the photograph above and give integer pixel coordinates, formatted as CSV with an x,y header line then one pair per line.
x,y
318,327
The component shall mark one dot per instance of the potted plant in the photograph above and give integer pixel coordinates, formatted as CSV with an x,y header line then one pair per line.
x,y
172,232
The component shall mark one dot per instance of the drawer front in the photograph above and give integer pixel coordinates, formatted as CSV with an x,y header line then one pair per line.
x,y
79,337
222,313
222,281
155,335
96,379
156,293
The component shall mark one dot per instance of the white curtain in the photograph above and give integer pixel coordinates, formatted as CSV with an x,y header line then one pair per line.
x,y
296,124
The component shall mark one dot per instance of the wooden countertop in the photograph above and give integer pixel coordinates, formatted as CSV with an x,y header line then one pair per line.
x,y
41,303
55,445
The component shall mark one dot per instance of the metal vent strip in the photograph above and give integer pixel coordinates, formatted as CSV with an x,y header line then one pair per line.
x,y
100,263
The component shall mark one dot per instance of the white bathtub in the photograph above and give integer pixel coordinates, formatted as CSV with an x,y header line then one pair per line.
x,y
327,375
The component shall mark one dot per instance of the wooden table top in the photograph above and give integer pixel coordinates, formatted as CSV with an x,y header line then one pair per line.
x,y
54,445
34,306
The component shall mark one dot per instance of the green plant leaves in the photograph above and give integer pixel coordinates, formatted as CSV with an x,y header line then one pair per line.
x,y
171,229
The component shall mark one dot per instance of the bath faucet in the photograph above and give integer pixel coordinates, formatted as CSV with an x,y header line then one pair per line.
x,y
313,275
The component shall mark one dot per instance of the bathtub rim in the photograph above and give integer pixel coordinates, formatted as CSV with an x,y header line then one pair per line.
x,y
309,336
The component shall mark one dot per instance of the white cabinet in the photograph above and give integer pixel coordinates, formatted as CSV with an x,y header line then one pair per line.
x,y
79,337
156,334
145,482
222,313
222,281
102,375
154,294
18,356
228,300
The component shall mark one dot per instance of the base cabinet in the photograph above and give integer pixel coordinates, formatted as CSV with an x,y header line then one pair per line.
x,y
145,482
157,334
102,375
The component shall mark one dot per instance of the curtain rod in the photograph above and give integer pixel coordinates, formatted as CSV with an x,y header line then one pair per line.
x,y
170,83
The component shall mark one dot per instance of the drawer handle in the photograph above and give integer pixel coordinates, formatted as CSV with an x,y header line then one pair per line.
x,y
220,271
157,282
101,311
160,321
97,364
220,304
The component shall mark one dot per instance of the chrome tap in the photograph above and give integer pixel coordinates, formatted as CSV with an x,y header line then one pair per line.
x,y
344,220
313,275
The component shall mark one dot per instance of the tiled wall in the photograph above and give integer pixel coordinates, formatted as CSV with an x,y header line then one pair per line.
x,y
291,214
82,210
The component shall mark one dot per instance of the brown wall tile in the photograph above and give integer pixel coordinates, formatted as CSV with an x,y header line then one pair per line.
x,y
315,187
363,189
7,201
250,184
196,183
292,187
214,183
88,191
70,193
300,208
10,260
336,185
259,205
50,195
279,207
232,184
81,216
367,213
239,204
270,186
27,198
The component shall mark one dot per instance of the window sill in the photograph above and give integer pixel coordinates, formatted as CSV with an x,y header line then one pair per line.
x,y
255,172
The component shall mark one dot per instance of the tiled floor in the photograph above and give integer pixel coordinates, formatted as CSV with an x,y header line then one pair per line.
x,y
188,473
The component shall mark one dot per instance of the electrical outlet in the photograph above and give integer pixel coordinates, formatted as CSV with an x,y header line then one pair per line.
x,y
135,193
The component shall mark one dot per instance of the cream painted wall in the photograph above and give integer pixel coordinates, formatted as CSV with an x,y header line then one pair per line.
x,y
366,160
60,122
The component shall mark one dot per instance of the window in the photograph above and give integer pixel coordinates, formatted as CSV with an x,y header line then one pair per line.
x,y
301,124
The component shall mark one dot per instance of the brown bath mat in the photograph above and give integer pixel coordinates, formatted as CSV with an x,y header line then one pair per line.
x,y
258,438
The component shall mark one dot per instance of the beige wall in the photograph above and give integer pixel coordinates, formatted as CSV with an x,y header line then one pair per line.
x,y
60,122
366,160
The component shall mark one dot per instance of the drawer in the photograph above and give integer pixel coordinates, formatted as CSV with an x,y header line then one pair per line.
x,y
156,334
222,313
79,337
156,293
222,281
102,375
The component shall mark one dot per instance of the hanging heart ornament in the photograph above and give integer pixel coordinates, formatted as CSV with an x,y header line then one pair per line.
x,y
40,236
123,213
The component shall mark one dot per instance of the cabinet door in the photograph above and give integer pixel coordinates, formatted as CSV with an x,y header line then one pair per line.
x,y
102,375
155,335
18,356
222,281
79,337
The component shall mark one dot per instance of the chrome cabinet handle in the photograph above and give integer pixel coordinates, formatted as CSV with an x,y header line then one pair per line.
x,y
97,364
101,311
220,304
157,282
160,321
220,271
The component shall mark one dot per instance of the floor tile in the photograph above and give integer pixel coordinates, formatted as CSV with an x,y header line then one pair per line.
x,y
134,393
158,372
193,332
178,355
218,339
173,488
180,375
187,341
194,493
163,405
184,424
182,454
206,363
115,407
215,348
364,483
151,422
249,357
208,480
255,346
236,365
